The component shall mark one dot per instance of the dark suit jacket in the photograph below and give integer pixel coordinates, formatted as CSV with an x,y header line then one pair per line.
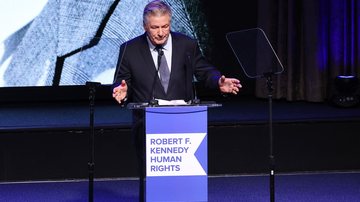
x,y
136,66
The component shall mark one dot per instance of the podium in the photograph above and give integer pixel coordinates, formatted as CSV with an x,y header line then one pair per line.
x,y
176,152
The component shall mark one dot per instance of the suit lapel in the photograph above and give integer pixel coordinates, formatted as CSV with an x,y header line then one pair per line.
x,y
147,58
145,53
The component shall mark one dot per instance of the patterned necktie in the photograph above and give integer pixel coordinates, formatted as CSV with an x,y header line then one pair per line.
x,y
163,68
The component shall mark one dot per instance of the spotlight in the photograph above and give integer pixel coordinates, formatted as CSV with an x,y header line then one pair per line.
x,y
346,91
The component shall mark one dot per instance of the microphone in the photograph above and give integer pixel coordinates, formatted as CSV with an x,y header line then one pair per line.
x,y
153,101
116,80
120,59
190,75
196,100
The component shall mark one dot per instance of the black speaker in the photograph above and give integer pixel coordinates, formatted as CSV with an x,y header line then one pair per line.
x,y
345,91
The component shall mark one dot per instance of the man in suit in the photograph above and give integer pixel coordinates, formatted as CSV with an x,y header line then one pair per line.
x,y
137,78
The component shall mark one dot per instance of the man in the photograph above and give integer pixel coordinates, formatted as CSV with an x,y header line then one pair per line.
x,y
138,77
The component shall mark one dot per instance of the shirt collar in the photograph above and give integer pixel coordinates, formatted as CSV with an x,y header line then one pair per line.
x,y
166,46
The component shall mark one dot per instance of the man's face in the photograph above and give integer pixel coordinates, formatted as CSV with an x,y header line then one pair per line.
x,y
158,28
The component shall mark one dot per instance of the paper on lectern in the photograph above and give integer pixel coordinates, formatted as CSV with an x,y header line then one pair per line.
x,y
172,102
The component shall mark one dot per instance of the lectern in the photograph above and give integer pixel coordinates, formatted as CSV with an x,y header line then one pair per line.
x,y
176,152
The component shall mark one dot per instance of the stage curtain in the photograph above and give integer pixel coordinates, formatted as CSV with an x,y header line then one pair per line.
x,y
316,40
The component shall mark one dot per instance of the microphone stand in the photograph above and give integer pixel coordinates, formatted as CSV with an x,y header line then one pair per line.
x,y
190,80
196,100
269,83
91,163
154,102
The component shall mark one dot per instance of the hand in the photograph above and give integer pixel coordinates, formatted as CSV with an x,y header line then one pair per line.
x,y
229,85
120,92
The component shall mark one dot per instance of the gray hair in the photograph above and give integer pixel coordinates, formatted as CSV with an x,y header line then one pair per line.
x,y
156,8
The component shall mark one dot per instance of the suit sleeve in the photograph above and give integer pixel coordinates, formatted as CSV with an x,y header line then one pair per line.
x,y
122,71
204,71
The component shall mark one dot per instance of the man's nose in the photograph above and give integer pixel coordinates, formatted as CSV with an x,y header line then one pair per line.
x,y
161,31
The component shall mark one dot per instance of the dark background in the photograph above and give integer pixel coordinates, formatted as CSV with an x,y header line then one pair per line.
x,y
224,17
